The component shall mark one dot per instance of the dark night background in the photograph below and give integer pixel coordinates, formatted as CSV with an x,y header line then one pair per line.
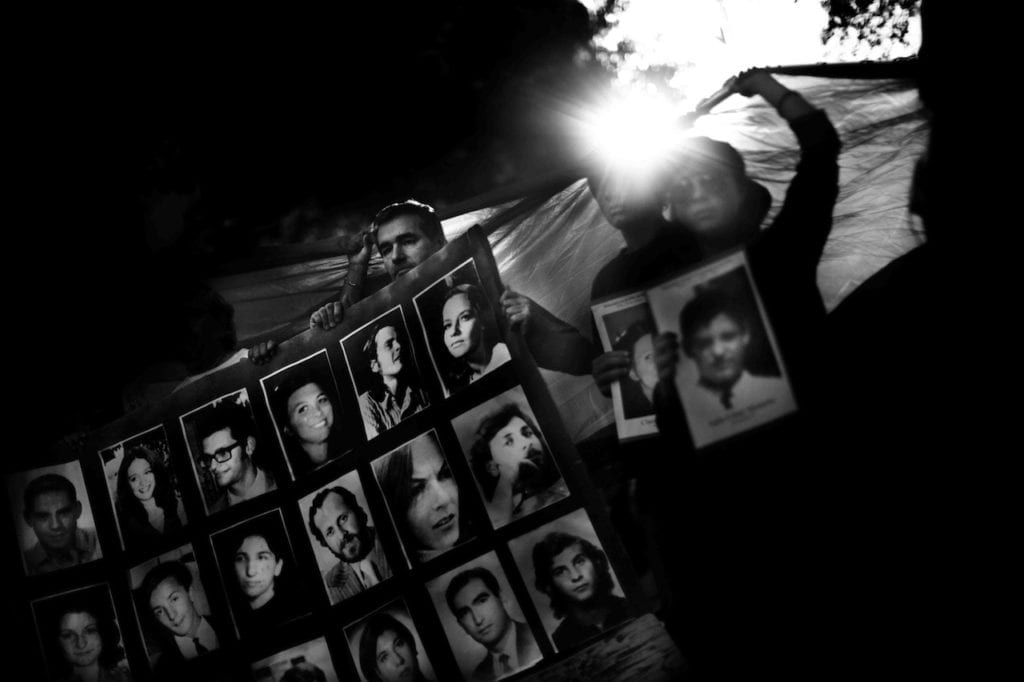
x,y
255,130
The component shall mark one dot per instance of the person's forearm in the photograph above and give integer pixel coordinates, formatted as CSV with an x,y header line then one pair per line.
x,y
352,288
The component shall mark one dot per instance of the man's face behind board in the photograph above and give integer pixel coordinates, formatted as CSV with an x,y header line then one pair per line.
x,y
719,349
403,244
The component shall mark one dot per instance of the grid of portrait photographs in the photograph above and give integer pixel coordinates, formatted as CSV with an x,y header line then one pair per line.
x,y
340,512
730,376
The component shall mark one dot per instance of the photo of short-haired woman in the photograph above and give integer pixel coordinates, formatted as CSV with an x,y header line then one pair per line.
x,y
144,489
307,413
257,565
461,328
423,497
80,636
570,580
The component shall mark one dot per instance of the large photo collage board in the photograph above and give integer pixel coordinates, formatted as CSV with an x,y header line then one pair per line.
x,y
395,498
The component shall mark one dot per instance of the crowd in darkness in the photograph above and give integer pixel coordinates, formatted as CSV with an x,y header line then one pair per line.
x,y
837,539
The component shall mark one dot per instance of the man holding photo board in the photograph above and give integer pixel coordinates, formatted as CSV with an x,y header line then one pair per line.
x,y
409,232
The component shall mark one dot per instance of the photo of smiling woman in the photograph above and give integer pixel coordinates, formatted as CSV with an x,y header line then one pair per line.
x,y
80,637
423,498
461,328
387,648
143,488
258,568
307,414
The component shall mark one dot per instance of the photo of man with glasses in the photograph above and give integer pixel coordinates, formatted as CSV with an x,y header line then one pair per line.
x,y
226,438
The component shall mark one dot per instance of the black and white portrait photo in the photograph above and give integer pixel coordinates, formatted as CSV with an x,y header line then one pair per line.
x,y
625,326
514,469
730,377
423,497
53,518
174,613
387,647
80,636
257,565
143,489
308,662
570,580
307,413
227,454
483,621
461,328
344,538
383,369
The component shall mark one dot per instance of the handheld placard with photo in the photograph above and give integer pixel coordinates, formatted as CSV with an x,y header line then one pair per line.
x,y
624,324
730,376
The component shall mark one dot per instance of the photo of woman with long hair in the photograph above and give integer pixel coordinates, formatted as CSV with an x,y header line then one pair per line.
x,y
148,507
423,496
462,329
470,337
308,416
